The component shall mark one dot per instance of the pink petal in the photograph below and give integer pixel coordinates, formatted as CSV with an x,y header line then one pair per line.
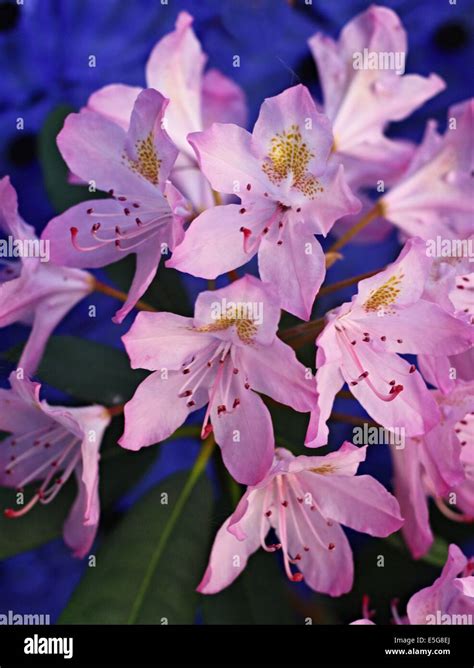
x,y
146,124
223,101
275,371
78,535
229,555
410,493
115,102
262,308
329,381
244,431
296,267
294,107
155,412
11,222
214,243
146,267
175,69
163,340
225,155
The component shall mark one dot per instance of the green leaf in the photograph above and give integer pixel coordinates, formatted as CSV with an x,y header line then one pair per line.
x,y
148,568
436,556
55,172
166,292
89,371
259,596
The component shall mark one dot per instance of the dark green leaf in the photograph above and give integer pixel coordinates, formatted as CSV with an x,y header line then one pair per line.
x,y
87,370
150,532
258,596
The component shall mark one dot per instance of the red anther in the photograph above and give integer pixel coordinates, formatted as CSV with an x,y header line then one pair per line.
x,y
412,369
285,504
268,513
331,546
297,577
206,431
242,210
248,186
89,211
236,403
221,409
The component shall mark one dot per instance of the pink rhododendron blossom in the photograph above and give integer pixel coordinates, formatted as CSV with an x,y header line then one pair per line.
x,y
363,91
440,465
46,445
222,357
434,197
288,190
456,294
305,500
196,100
33,291
449,600
362,339
145,212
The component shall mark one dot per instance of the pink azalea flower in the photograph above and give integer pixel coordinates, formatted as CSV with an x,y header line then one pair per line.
x,y
288,194
305,500
33,291
440,465
145,212
46,445
434,197
362,339
448,597
444,371
362,98
449,600
196,100
222,357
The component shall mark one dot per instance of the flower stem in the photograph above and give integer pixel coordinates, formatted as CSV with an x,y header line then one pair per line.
x,y
121,296
374,212
194,475
300,334
352,419
327,289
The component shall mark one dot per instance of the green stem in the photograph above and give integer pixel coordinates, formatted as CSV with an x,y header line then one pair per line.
x,y
196,471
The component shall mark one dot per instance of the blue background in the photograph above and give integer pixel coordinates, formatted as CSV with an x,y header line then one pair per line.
x,y
44,48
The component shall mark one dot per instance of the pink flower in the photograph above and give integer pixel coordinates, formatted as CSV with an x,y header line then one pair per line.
x,y
363,93
222,357
434,197
47,444
288,194
362,339
145,213
456,295
305,500
450,598
33,291
439,464
196,100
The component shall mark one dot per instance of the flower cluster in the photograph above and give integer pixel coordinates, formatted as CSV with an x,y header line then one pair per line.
x,y
183,180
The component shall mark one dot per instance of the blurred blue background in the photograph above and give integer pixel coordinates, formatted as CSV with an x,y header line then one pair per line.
x,y
44,50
